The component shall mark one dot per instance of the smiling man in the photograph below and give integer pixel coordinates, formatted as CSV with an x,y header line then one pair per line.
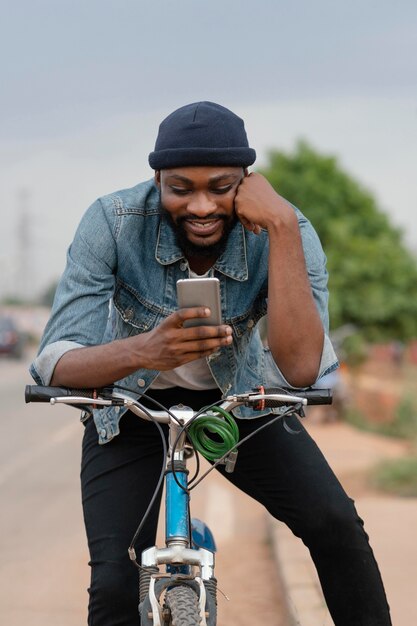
x,y
203,213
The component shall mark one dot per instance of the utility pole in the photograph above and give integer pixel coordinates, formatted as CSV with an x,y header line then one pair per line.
x,y
24,284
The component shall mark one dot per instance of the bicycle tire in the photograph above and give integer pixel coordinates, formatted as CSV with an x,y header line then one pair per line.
x,y
182,601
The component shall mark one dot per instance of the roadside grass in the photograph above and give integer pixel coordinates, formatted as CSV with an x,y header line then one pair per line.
x,y
398,476
402,426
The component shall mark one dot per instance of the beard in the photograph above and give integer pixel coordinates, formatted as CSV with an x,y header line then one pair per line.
x,y
191,249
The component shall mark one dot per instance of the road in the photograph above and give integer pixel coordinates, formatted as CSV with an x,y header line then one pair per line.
x,y
43,557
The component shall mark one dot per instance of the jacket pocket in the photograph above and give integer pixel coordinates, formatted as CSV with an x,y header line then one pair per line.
x,y
135,310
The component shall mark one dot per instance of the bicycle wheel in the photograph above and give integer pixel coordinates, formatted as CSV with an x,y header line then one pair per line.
x,y
182,602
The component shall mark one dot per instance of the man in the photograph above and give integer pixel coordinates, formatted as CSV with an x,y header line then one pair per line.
x,y
203,214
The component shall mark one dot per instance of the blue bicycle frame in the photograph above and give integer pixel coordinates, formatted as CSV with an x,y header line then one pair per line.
x,y
177,516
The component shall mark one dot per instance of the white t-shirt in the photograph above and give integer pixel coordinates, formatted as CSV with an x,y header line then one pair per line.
x,y
194,375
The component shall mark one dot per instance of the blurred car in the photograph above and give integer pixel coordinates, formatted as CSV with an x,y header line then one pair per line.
x,y
11,339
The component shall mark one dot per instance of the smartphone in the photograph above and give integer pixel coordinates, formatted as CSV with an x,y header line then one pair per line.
x,y
200,292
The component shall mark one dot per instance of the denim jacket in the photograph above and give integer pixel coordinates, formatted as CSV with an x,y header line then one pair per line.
x,y
120,280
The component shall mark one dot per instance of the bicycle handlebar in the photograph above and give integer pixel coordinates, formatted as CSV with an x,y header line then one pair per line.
x,y
282,396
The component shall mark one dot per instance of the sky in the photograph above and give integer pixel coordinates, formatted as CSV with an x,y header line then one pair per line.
x,y
85,85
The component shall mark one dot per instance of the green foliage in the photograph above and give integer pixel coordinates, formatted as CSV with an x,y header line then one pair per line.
x,y
13,301
353,350
373,277
405,419
402,426
398,477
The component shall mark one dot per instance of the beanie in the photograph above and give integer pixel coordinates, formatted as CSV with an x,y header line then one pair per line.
x,y
202,133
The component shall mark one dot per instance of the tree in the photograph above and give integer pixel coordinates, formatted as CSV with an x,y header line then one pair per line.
x,y
373,277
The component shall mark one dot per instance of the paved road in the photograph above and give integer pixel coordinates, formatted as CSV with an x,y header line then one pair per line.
x,y
43,559
42,565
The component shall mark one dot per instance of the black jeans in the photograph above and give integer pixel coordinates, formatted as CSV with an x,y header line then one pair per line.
x,y
285,472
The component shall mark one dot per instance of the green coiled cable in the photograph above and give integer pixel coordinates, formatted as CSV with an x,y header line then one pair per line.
x,y
224,428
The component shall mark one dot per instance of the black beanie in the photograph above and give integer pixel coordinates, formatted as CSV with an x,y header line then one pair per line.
x,y
202,133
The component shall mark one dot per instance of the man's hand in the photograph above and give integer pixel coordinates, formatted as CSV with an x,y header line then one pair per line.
x,y
163,348
170,345
258,206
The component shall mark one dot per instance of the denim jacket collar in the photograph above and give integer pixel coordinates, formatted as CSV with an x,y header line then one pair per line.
x,y
232,263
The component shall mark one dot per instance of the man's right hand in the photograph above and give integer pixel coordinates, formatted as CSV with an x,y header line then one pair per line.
x,y
170,345
167,346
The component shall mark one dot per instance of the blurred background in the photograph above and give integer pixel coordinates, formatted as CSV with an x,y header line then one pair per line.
x,y
328,93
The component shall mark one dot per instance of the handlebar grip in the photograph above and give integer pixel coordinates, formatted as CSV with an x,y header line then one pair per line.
x,y
272,404
319,396
39,393
313,396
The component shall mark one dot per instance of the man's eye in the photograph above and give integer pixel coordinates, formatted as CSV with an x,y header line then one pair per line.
x,y
220,190
179,191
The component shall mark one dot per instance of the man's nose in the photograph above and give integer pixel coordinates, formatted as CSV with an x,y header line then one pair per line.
x,y
201,205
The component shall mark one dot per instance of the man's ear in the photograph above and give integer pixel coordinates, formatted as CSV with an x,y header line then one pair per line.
x,y
245,171
157,178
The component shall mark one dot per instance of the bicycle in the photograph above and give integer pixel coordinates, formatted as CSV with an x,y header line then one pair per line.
x,y
177,586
